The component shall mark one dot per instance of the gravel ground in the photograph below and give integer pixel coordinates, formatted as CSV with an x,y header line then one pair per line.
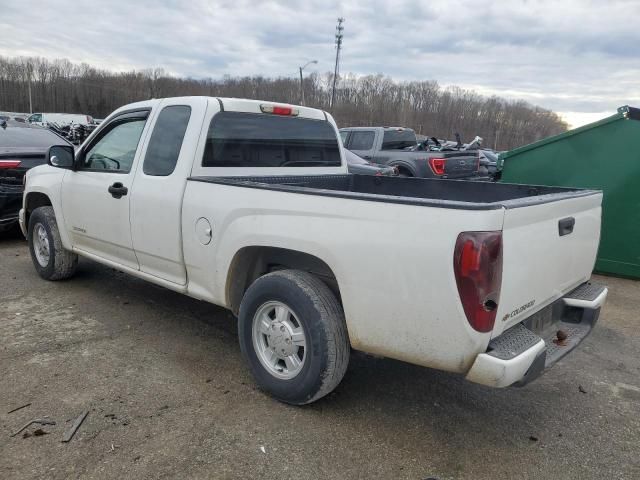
x,y
169,397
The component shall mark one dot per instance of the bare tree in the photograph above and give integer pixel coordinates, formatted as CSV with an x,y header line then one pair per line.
x,y
61,86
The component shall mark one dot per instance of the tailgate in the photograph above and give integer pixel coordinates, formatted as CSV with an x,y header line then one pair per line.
x,y
460,164
548,250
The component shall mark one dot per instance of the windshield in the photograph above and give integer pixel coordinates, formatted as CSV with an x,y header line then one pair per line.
x,y
398,139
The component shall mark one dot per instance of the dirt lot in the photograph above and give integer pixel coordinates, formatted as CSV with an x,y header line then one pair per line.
x,y
169,397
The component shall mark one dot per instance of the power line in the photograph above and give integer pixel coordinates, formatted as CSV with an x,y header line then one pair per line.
x,y
336,71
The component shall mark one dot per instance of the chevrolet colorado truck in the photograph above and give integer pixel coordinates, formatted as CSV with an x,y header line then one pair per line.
x,y
396,147
249,205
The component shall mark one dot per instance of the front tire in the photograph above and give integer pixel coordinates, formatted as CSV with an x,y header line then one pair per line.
x,y
50,259
293,336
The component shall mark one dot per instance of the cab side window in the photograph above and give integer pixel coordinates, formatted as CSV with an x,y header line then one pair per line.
x,y
166,140
115,149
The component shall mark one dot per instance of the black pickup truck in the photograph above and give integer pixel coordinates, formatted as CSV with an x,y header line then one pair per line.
x,y
395,146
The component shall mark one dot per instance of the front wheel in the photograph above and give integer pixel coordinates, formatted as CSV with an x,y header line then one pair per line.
x,y
293,335
51,260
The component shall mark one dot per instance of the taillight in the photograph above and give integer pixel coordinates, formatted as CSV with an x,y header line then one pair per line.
x,y
9,164
279,110
477,263
437,165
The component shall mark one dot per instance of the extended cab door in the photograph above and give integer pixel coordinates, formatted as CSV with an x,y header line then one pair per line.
x,y
156,201
96,196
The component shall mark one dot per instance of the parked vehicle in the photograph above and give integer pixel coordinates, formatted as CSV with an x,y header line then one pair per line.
x,y
21,147
59,119
13,116
488,159
394,146
360,166
249,205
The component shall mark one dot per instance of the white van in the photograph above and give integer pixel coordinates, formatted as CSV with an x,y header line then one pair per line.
x,y
43,119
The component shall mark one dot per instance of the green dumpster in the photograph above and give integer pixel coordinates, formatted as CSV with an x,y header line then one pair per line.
x,y
604,155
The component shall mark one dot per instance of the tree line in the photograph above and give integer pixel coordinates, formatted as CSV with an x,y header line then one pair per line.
x,y
62,86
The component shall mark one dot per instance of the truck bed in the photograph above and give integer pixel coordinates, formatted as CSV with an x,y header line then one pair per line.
x,y
456,194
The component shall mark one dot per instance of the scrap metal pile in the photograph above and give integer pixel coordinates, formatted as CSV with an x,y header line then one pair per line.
x,y
76,133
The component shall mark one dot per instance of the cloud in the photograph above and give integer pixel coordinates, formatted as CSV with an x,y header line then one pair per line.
x,y
576,56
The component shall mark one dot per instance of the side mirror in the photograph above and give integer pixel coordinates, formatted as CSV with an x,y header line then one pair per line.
x,y
61,156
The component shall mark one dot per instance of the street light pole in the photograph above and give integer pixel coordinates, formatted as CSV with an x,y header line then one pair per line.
x,y
301,82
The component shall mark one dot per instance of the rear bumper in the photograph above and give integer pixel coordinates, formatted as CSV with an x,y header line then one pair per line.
x,y
7,222
524,351
10,202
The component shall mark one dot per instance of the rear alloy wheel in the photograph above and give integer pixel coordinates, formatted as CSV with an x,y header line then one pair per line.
x,y
293,336
279,340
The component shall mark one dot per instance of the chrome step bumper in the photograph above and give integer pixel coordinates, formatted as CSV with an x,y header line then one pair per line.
x,y
526,350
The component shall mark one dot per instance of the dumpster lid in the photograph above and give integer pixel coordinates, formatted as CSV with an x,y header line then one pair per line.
x,y
624,112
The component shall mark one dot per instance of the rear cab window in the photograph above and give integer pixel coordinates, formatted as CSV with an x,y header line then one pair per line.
x,y
398,139
238,139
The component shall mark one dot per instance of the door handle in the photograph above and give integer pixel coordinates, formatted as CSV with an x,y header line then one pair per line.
x,y
565,226
367,157
117,190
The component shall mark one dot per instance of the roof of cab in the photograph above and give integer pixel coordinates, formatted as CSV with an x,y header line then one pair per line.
x,y
383,128
234,105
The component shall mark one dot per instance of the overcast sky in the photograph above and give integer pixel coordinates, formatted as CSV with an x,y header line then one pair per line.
x,y
580,58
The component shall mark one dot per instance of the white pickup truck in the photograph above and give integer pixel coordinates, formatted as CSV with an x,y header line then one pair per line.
x,y
248,205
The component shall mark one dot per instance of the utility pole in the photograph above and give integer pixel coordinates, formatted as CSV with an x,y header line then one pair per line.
x,y
301,82
29,68
336,71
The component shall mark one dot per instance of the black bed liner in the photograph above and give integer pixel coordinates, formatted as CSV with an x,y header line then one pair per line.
x,y
457,194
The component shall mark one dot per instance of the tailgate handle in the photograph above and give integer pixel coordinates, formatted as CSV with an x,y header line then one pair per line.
x,y
565,226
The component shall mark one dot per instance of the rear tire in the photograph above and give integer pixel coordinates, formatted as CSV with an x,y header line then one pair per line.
x,y
293,336
50,259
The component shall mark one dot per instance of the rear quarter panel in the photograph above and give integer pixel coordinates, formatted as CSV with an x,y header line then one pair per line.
x,y
393,263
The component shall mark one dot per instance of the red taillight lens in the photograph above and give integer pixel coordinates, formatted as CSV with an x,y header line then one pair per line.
x,y
437,165
9,164
477,263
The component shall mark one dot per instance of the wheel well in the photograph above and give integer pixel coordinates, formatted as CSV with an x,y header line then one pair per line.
x,y
404,170
250,263
33,201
